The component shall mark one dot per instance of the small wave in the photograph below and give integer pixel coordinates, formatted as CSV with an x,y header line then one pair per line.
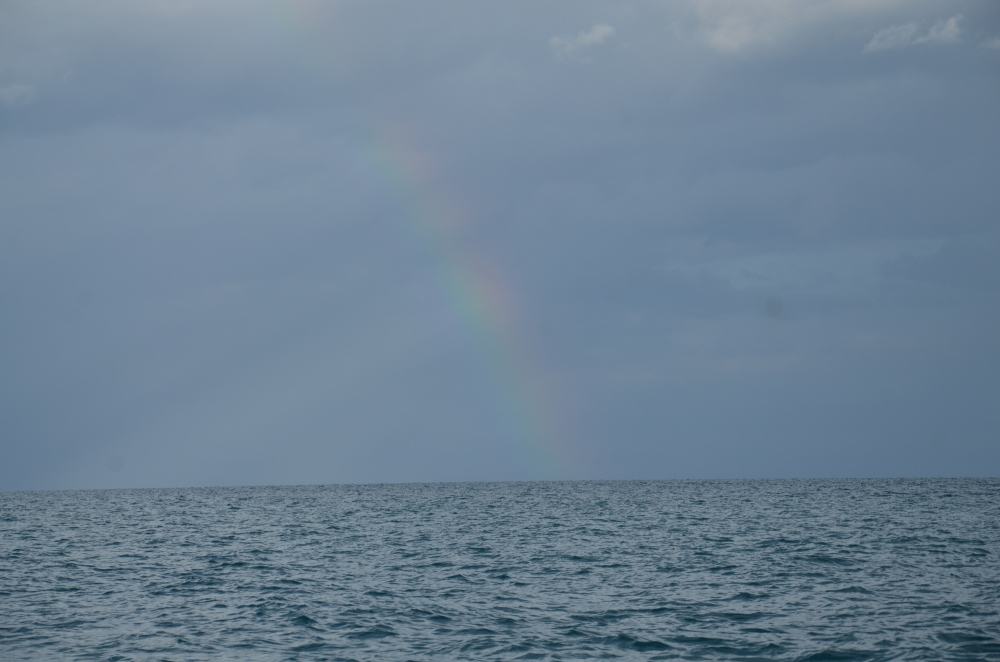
x,y
630,642
376,632
861,590
827,559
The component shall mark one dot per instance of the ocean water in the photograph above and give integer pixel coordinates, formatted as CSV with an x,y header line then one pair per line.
x,y
698,570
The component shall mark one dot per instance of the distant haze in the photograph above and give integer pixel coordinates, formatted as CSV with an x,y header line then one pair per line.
x,y
313,242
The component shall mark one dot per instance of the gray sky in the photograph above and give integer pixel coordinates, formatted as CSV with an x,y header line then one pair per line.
x,y
285,242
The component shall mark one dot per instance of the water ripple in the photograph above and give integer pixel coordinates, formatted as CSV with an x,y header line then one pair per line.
x,y
699,570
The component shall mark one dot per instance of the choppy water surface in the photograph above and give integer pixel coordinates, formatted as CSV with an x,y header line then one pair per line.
x,y
901,569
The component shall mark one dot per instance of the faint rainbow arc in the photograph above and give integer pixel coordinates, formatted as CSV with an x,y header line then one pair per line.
x,y
479,293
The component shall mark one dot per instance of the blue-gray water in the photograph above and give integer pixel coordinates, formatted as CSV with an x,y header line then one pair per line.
x,y
853,569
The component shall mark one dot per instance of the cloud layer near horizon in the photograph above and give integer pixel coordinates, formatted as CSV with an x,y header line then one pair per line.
x,y
725,239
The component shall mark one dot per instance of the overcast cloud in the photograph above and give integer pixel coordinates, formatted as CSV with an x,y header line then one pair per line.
x,y
726,239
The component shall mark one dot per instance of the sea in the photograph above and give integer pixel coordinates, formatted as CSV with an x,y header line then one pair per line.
x,y
643,570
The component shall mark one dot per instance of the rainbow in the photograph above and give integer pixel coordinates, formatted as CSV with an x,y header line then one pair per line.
x,y
479,293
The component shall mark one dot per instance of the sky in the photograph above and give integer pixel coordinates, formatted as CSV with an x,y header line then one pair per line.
x,y
309,241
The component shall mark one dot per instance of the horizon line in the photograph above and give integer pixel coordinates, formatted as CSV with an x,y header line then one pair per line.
x,y
502,481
